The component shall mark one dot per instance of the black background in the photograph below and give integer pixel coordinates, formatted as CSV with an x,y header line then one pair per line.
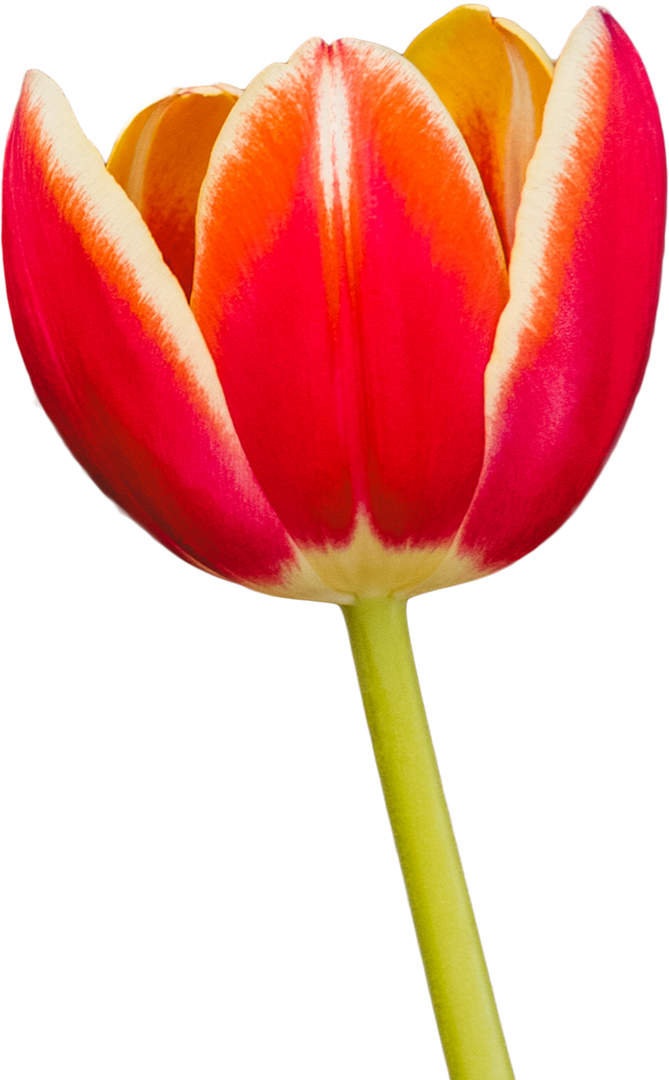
x,y
201,875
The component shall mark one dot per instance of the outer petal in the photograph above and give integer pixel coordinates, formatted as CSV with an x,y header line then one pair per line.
x,y
573,342
118,361
494,79
349,279
160,161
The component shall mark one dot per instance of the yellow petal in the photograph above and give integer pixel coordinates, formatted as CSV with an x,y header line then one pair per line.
x,y
494,80
160,161
124,153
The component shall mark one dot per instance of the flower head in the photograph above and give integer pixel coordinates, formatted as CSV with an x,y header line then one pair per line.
x,y
372,326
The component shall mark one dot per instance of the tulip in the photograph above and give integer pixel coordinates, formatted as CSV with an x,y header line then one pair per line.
x,y
370,328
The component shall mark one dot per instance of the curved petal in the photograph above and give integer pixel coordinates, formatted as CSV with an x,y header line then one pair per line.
x,y
125,150
493,78
573,342
117,359
160,161
348,281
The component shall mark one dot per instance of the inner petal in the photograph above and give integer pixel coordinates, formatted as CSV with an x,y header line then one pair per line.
x,y
160,161
494,79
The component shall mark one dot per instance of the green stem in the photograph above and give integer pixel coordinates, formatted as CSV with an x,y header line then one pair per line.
x,y
457,976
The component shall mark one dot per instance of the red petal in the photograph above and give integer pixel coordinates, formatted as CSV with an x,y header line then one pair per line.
x,y
116,356
573,343
349,278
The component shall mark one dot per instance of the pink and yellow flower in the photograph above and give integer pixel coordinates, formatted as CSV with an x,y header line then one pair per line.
x,y
372,326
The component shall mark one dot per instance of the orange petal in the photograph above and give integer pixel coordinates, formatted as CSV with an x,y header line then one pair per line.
x,y
494,80
160,161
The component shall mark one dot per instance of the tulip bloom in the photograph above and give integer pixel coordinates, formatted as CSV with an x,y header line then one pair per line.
x,y
370,328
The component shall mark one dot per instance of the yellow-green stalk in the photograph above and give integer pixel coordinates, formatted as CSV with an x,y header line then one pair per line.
x,y
462,996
